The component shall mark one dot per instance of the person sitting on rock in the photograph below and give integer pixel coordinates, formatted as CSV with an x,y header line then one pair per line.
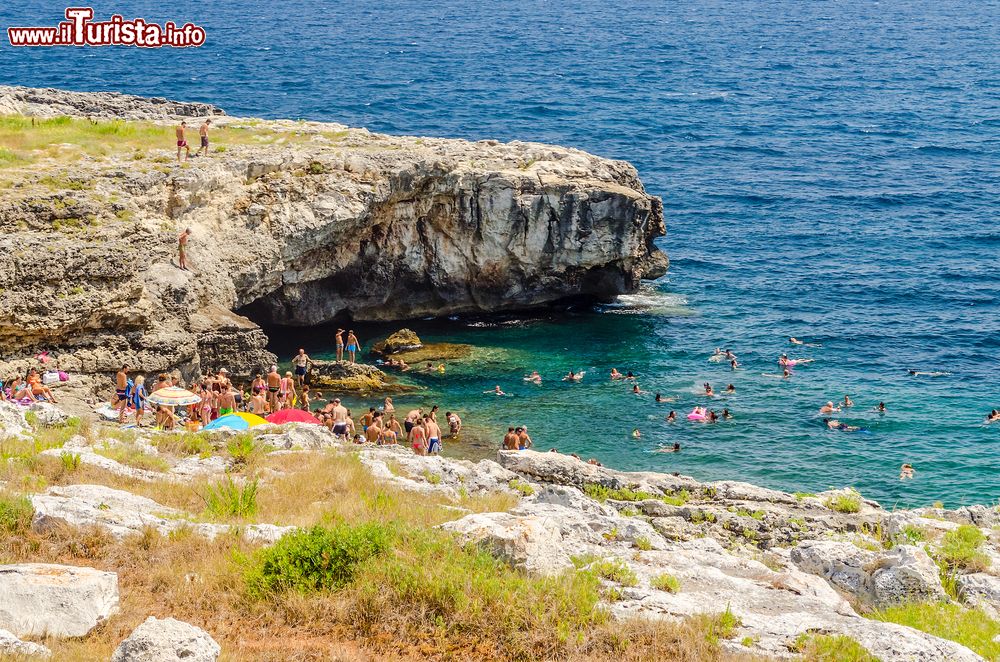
x,y
38,389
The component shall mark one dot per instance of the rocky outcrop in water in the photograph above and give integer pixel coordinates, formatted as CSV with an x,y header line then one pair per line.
x,y
295,223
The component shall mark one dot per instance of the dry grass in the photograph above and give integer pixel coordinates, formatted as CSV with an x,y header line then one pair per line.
x,y
427,598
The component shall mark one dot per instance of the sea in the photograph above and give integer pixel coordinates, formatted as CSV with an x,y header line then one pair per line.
x,y
830,170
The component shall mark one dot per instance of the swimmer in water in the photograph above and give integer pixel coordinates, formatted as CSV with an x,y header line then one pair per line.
x,y
629,375
713,417
785,374
993,416
733,365
906,472
636,434
848,402
730,389
708,389
918,373
573,377
658,398
730,356
880,408
636,390
534,378
615,374
796,341
496,391
834,424
726,415
671,417
828,408
676,448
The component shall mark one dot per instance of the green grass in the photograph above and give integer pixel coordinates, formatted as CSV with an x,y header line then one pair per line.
x,y
719,626
831,648
616,571
666,582
602,493
70,461
961,549
227,498
16,512
844,503
970,627
911,535
520,486
244,450
132,456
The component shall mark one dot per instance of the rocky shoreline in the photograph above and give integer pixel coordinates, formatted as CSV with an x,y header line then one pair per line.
x,y
294,223
785,567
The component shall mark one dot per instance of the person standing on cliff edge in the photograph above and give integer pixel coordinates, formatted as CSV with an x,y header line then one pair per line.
x,y
182,249
353,345
182,142
203,132
340,344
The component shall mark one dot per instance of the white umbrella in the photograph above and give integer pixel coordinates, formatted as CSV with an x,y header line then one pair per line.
x,y
173,396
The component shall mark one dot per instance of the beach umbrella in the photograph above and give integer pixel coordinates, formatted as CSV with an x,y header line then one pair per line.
x,y
253,419
173,396
231,421
291,416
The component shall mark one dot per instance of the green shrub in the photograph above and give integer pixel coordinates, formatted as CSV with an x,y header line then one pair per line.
x,y
719,626
970,627
831,648
666,582
243,449
911,535
849,502
960,548
519,485
433,479
642,543
616,571
16,512
229,499
317,559
70,461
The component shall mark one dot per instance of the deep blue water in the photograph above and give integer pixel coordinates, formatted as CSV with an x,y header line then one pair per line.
x,y
829,170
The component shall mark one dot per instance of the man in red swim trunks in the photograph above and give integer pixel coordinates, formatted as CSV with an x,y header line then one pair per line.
x,y
181,142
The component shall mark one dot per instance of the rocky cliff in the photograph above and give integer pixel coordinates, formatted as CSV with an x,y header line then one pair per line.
x,y
294,223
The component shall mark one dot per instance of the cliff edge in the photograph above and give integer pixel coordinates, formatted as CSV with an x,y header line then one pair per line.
x,y
294,223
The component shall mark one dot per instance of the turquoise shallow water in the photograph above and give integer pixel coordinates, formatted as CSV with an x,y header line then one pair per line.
x,y
829,170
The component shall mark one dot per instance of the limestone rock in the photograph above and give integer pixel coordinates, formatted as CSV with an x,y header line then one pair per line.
x,y
344,377
906,574
401,340
981,590
529,543
48,414
43,599
12,421
123,514
14,647
166,640
370,226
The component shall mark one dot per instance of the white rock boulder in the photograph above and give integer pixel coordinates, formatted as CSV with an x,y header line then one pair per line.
x,y
167,640
48,414
981,590
42,599
14,647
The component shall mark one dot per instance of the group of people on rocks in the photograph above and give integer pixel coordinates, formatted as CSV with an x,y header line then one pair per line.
x,y
31,388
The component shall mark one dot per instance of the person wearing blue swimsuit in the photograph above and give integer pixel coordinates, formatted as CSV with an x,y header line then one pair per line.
x,y
353,345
